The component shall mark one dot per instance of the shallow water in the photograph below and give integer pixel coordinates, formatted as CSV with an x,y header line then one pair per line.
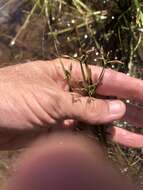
x,y
34,42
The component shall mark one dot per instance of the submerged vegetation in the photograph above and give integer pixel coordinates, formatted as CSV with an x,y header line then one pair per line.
x,y
101,32
111,28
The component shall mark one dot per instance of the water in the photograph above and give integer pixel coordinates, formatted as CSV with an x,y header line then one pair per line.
x,y
34,41
10,10
10,17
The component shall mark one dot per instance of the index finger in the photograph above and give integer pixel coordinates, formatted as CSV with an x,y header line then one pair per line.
x,y
113,83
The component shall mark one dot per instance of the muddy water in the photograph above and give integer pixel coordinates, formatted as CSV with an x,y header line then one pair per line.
x,y
9,10
31,44
28,45
35,41
10,15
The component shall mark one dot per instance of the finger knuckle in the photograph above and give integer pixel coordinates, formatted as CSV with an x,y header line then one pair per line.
x,y
94,111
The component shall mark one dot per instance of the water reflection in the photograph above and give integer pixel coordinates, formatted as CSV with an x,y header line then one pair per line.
x,y
10,10
10,18
34,41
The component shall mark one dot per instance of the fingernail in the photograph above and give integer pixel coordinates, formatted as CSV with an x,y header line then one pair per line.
x,y
116,107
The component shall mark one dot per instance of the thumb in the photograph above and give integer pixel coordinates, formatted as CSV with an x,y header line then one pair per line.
x,y
91,110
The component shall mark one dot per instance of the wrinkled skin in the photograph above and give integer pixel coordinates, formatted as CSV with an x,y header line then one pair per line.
x,y
34,97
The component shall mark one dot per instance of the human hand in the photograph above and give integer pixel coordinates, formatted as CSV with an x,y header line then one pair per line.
x,y
35,95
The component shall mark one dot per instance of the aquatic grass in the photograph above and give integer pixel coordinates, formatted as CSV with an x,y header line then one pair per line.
x,y
139,11
111,36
